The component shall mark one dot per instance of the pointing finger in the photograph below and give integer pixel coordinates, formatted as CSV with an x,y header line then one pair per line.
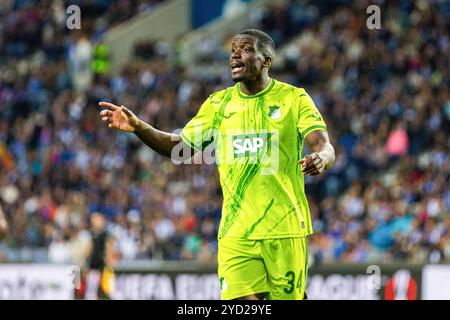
x,y
108,105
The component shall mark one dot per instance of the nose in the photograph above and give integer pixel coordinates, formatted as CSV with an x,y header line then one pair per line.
x,y
236,53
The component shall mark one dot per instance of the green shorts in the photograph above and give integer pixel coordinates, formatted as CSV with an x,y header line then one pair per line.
x,y
277,267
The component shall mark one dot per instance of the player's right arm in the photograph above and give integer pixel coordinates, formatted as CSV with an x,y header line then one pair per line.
x,y
125,120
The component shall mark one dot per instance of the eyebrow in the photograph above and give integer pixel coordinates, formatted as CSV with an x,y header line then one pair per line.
x,y
244,43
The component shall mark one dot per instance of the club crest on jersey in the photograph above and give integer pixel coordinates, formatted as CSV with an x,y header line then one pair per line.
x,y
249,144
275,112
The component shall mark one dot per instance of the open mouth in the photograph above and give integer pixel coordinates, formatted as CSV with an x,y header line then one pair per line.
x,y
236,67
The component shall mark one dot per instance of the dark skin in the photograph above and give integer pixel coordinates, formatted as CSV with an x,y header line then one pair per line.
x,y
249,65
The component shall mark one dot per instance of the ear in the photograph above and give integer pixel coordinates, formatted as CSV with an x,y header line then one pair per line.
x,y
267,61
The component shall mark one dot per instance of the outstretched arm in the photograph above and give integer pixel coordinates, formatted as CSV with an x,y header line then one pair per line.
x,y
323,155
125,120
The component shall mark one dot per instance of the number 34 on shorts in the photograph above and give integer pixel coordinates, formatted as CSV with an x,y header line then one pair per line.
x,y
277,267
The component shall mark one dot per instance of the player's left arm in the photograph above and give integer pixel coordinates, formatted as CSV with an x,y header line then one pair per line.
x,y
313,130
322,157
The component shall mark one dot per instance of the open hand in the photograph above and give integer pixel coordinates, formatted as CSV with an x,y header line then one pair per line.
x,y
119,117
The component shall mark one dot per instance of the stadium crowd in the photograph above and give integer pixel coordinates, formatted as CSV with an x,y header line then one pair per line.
x,y
383,93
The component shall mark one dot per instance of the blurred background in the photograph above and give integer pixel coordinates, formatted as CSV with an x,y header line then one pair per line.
x,y
75,193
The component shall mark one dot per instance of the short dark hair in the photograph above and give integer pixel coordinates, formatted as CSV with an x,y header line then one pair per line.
x,y
263,41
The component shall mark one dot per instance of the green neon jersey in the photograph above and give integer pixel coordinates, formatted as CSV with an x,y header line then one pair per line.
x,y
258,142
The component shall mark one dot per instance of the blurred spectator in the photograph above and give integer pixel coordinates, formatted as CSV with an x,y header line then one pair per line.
x,y
3,224
80,59
232,8
397,141
101,257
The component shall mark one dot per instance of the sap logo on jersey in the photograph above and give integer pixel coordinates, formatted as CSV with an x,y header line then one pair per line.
x,y
249,144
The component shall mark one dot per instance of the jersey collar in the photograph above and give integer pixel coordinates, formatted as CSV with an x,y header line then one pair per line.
x,y
259,94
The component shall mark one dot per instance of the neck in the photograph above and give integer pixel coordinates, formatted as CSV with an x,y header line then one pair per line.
x,y
252,87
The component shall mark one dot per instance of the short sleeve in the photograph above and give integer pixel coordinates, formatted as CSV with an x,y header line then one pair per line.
x,y
309,117
198,132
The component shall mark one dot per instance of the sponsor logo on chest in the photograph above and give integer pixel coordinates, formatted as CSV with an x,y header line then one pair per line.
x,y
249,144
